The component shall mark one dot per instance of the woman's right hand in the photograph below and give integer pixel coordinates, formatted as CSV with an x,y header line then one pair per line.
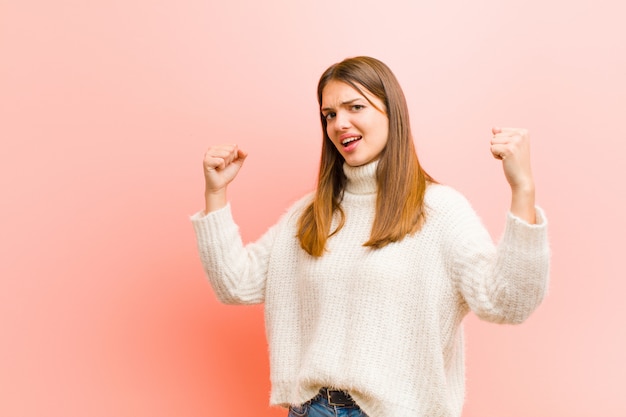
x,y
221,165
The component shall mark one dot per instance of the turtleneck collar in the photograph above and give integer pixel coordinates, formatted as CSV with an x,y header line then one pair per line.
x,y
361,179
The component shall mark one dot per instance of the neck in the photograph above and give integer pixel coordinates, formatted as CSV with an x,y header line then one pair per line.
x,y
361,179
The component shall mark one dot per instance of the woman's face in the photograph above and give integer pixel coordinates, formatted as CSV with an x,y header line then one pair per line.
x,y
358,129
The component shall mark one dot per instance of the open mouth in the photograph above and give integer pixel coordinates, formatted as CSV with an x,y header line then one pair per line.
x,y
350,140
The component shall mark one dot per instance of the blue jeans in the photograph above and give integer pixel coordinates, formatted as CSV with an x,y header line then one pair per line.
x,y
319,407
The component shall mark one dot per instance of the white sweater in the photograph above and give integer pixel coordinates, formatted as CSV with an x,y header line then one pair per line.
x,y
383,324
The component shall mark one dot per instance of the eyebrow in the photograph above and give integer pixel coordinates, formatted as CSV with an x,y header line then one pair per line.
x,y
343,103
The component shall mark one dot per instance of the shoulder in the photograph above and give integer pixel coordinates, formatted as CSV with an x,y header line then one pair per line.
x,y
295,210
443,198
446,209
300,204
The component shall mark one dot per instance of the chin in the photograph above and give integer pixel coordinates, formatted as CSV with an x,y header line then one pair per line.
x,y
358,162
355,163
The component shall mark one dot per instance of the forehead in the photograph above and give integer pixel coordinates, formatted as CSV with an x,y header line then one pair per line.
x,y
337,92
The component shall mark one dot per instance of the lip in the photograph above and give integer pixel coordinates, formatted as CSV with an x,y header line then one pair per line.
x,y
351,146
348,135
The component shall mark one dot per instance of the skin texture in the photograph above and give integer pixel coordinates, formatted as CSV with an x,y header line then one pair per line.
x,y
349,114
512,147
221,165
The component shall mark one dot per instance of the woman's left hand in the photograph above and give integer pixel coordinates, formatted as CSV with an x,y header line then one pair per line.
x,y
512,146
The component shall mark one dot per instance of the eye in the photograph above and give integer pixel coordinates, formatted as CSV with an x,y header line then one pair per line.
x,y
358,107
329,115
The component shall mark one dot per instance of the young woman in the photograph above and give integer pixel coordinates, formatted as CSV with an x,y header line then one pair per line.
x,y
366,280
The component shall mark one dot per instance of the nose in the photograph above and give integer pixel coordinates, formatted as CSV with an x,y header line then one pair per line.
x,y
342,120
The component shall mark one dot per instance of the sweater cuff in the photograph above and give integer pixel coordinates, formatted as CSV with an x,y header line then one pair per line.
x,y
215,224
540,221
200,214
519,230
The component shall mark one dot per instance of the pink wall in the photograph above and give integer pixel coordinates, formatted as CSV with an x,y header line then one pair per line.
x,y
108,106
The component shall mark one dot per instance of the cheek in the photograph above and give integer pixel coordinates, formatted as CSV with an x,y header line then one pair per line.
x,y
385,131
331,133
383,134
330,142
327,129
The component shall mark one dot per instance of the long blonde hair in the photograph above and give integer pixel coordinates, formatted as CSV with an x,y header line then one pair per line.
x,y
400,178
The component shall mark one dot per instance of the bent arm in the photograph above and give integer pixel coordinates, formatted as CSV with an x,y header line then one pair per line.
x,y
236,272
503,284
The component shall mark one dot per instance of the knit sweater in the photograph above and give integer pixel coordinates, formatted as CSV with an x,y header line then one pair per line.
x,y
383,324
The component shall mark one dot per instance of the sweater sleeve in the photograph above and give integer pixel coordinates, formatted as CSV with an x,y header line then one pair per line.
x,y
503,283
237,272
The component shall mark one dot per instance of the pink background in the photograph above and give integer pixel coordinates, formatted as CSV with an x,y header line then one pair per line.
x,y
108,106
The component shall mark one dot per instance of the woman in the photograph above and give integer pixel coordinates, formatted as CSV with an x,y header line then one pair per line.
x,y
366,281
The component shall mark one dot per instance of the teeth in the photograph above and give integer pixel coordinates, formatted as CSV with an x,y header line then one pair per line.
x,y
346,141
